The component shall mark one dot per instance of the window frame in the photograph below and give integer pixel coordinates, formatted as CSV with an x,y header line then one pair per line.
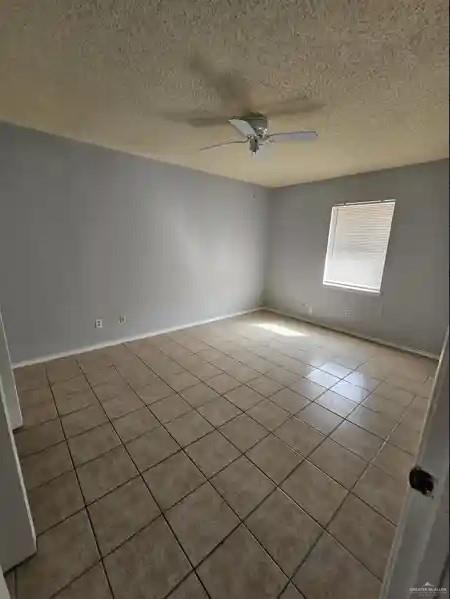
x,y
331,237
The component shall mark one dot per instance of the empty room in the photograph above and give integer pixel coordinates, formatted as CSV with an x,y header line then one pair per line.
x,y
224,267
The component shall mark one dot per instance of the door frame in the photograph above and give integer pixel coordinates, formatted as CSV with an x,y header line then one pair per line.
x,y
419,554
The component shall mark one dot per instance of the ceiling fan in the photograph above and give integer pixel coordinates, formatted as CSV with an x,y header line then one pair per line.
x,y
254,127
237,96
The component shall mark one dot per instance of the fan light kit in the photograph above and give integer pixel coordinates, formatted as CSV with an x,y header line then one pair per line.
x,y
254,128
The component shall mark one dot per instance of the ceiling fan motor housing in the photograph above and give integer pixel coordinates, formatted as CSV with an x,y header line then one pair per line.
x,y
259,124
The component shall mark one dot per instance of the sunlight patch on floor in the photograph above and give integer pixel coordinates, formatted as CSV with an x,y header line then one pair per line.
x,y
279,329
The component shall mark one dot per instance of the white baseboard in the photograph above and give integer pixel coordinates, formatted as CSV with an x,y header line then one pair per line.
x,y
377,340
87,348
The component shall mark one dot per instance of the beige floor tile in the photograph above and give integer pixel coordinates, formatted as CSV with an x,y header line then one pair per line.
x,y
336,369
318,494
151,448
135,424
291,538
188,428
190,588
400,396
324,379
413,419
64,389
351,392
364,533
102,374
289,400
308,389
181,380
320,418
205,371
30,377
406,438
283,376
212,452
265,385
353,360
93,360
218,411
255,575
150,564
199,394
200,521
336,403
384,406
122,404
345,578
111,389
242,373
38,413
154,390
291,592
120,514
274,457
92,584
361,442
243,397
105,473
83,420
390,386
39,437
56,500
299,435
222,383
242,485
243,432
339,463
383,492
268,414
170,407
31,397
374,422
90,445
360,379
65,552
45,465
62,369
75,401
172,479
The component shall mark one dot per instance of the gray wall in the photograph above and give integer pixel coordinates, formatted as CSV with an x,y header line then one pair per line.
x,y
89,233
413,307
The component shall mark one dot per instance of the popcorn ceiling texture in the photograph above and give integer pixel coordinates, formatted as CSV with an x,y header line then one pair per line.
x,y
108,72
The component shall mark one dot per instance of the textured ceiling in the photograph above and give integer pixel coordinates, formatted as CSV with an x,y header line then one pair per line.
x,y
370,76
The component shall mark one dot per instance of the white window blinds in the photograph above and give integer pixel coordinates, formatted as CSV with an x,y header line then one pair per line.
x,y
357,245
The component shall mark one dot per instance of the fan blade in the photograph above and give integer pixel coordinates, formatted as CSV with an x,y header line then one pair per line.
x,y
226,143
293,136
196,118
243,127
265,152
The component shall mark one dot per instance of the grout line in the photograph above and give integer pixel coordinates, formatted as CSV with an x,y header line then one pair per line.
x,y
82,494
214,428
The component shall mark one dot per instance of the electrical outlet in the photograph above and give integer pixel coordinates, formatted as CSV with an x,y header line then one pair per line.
x,y
122,319
99,323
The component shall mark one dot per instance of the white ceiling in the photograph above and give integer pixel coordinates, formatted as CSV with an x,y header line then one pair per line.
x,y
370,76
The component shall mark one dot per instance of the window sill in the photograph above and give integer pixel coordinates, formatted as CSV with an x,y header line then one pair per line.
x,y
352,289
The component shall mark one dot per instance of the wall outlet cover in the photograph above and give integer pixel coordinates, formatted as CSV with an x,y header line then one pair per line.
x,y
99,323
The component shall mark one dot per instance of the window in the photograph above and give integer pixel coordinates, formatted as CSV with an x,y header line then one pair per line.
x,y
357,245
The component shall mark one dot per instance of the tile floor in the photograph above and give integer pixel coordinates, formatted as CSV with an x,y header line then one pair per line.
x,y
256,457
